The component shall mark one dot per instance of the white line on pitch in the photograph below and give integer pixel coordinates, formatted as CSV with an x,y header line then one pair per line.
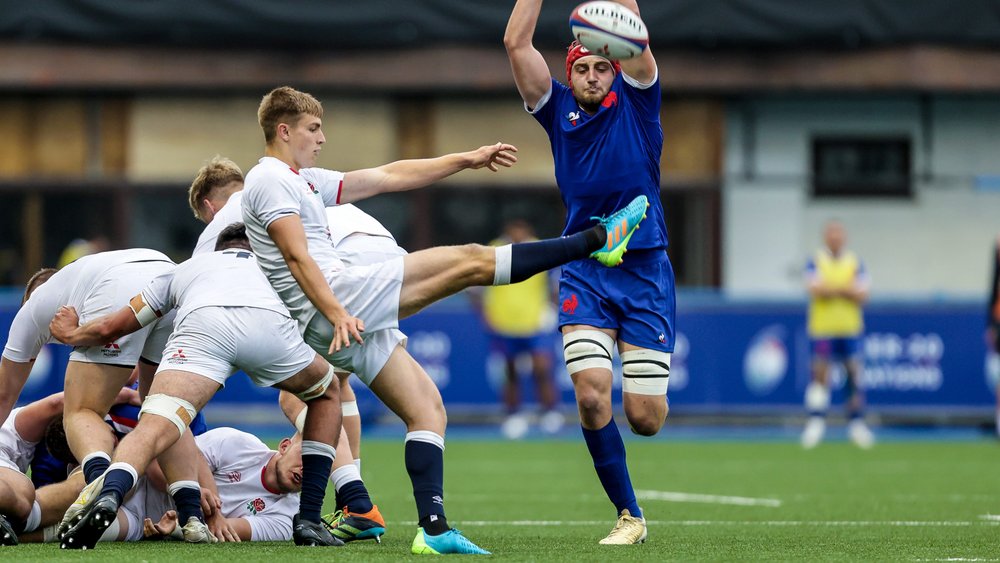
x,y
778,523
991,517
671,496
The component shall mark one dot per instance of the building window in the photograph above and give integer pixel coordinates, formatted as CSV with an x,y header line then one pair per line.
x,y
861,166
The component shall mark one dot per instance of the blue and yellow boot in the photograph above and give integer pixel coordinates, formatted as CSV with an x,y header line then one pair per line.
x,y
451,541
620,225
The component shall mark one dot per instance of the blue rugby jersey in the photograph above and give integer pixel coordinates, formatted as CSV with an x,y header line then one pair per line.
x,y
604,161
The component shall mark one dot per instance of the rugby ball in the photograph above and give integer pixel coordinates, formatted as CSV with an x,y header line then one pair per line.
x,y
609,29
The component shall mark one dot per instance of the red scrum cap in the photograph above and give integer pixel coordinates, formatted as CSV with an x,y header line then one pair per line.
x,y
576,51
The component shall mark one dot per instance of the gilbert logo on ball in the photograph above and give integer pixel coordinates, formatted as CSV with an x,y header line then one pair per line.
x,y
609,29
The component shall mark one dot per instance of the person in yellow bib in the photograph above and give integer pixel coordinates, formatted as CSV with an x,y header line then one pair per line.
x,y
520,319
838,286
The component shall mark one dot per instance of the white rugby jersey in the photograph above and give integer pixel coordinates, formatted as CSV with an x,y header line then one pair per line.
x,y
70,286
230,213
272,191
13,448
346,219
238,461
227,278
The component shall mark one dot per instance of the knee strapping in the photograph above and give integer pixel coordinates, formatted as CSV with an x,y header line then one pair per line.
x,y
319,389
174,409
645,372
585,349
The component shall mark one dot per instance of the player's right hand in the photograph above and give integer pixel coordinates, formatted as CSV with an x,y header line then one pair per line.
x,y
163,528
64,323
221,528
344,328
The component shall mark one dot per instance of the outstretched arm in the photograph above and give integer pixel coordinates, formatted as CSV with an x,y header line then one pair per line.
x,y
34,418
405,175
290,238
66,328
643,67
531,74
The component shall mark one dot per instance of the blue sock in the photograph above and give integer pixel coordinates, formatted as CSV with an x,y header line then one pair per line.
x,y
119,482
95,465
354,496
530,258
317,459
424,454
187,500
608,451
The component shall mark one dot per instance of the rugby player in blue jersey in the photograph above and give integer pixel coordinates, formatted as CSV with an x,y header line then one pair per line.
x,y
606,142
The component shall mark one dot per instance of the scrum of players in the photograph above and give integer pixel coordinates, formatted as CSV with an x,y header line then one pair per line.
x,y
294,286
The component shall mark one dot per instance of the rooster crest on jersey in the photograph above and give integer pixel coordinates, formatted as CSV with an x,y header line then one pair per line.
x,y
609,29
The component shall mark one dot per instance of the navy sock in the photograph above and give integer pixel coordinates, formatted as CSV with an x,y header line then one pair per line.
x,y
188,503
608,451
530,258
354,496
119,482
94,467
315,472
425,464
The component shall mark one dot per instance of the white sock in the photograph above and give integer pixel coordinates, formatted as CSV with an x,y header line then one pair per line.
x,y
344,475
34,518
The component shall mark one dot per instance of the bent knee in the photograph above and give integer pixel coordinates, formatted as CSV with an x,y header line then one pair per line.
x,y
647,424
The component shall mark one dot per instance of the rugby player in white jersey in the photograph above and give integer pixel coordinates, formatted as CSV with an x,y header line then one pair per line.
x,y
221,300
285,218
257,487
215,198
95,285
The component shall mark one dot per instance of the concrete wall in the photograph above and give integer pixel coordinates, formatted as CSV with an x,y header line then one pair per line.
x,y
937,242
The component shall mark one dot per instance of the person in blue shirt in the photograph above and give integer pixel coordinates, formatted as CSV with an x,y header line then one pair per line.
x,y
604,128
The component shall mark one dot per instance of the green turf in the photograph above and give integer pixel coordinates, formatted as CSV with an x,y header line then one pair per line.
x,y
906,501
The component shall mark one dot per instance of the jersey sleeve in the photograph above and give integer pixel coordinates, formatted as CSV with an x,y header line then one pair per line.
x,y
545,110
329,183
278,198
645,98
158,295
270,527
25,338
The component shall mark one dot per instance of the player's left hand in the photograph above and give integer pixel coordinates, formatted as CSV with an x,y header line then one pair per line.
x,y
64,323
494,156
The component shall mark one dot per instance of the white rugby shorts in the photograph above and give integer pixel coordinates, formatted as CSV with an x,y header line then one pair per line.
x,y
370,293
15,452
216,341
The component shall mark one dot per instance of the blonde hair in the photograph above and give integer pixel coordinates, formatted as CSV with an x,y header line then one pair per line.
x,y
285,105
219,172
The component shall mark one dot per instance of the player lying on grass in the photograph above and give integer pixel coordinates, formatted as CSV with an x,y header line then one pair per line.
x,y
285,214
23,508
215,197
222,300
95,374
256,487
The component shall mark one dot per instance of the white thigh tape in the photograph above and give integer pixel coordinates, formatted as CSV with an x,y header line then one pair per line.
x,y
645,372
585,349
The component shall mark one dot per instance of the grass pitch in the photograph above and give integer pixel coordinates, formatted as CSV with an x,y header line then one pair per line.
x,y
541,501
